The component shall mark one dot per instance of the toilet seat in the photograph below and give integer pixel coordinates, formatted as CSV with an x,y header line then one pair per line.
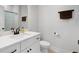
x,y
44,46
44,43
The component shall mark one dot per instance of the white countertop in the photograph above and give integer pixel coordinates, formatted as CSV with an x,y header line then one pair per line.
x,y
12,39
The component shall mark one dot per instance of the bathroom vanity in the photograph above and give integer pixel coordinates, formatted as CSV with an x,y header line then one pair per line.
x,y
28,42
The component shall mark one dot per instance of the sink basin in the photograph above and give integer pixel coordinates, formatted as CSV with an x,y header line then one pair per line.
x,y
18,36
15,37
25,34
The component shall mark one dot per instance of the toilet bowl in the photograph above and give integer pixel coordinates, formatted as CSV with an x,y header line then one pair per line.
x,y
44,45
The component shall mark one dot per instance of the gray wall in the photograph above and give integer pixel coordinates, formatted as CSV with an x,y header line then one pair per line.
x,y
49,22
23,12
33,17
31,11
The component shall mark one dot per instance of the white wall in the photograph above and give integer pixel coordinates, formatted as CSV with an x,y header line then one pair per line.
x,y
23,12
12,8
33,17
49,22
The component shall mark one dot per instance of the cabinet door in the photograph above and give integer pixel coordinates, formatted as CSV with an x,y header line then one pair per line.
x,y
28,42
15,48
35,48
24,51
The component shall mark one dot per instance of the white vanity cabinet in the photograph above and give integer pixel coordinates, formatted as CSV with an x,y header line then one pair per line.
x,y
32,45
24,44
35,48
15,48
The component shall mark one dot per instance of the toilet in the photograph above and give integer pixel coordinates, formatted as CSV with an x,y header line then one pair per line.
x,y
44,45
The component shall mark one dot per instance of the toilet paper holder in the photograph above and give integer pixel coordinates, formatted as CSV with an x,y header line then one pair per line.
x,y
56,34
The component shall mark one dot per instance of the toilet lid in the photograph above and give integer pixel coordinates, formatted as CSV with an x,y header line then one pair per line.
x,y
44,43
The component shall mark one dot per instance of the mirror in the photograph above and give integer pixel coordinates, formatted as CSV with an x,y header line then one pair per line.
x,y
11,16
11,20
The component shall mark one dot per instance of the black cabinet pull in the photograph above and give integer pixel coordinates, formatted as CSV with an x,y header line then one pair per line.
x,y
37,38
30,49
27,50
14,51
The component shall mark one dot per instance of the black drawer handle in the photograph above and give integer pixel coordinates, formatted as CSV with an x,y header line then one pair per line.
x,y
37,38
28,51
14,51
